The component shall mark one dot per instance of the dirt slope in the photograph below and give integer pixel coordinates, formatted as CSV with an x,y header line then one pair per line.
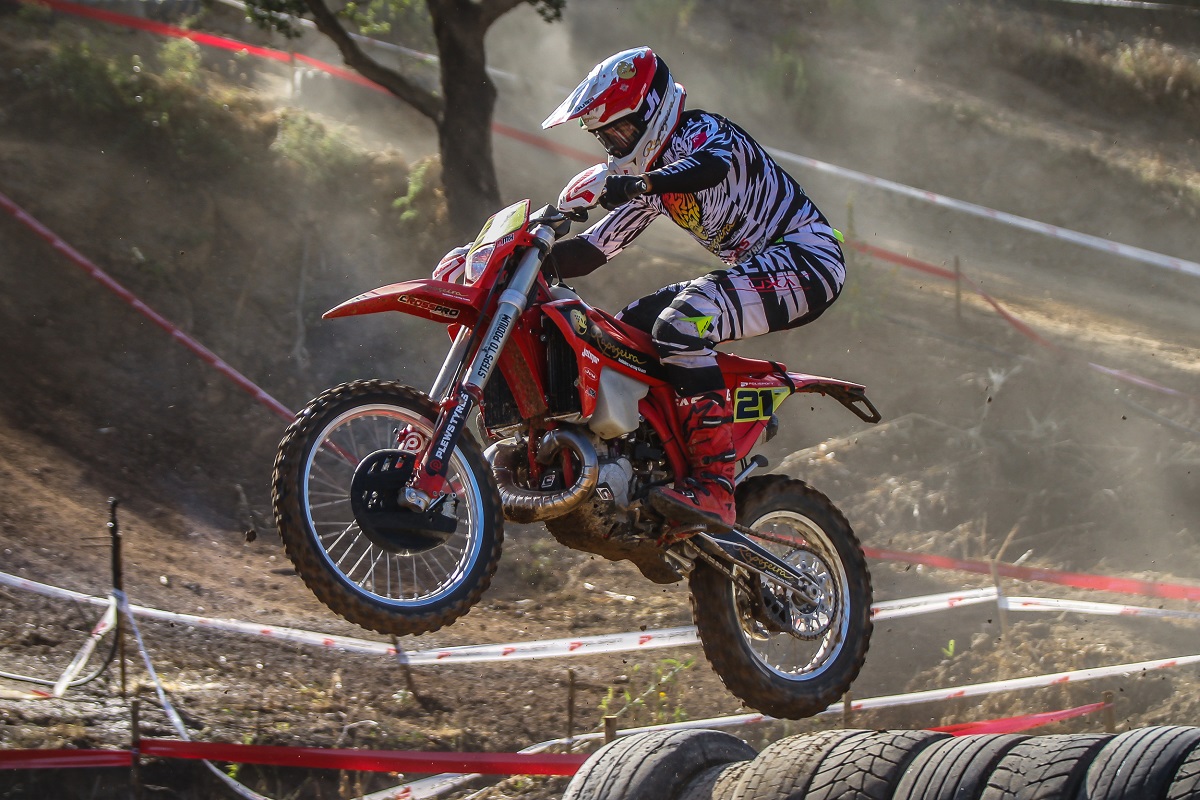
x,y
95,402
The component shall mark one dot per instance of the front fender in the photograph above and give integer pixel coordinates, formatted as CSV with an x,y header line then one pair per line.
x,y
427,298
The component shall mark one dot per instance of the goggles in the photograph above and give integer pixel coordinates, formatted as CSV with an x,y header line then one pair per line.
x,y
619,137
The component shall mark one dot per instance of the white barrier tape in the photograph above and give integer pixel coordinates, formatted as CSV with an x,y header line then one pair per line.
x,y
912,606
509,651
107,622
1089,607
15,582
994,687
15,694
1095,242
556,648
1172,7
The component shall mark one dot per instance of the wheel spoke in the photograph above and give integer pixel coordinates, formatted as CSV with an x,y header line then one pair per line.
x,y
801,543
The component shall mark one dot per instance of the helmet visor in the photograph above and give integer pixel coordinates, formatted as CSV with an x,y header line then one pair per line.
x,y
620,137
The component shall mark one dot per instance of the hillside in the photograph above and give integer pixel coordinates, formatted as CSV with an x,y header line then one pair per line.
x,y
240,210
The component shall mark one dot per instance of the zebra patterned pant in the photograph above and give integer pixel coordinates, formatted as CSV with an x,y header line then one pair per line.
x,y
790,283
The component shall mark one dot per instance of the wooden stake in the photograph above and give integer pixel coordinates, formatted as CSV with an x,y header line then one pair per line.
x,y
1110,713
610,728
570,705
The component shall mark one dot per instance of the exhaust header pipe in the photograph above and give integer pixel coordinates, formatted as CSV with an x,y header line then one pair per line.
x,y
526,505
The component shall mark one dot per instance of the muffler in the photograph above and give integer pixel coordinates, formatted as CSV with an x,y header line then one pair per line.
x,y
527,505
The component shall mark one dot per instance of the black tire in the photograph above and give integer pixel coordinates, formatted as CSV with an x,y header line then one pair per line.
x,y
656,765
955,768
393,591
777,673
1044,767
1186,783
868,768
784,769
1139,764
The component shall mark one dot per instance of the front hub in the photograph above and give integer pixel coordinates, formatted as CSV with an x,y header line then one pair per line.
x,y
376,498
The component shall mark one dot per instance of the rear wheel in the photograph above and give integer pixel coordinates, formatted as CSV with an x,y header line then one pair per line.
x,y
385,578
798,672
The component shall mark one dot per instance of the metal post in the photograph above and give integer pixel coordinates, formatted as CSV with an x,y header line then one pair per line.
x,y
847,710
118,582
1110,713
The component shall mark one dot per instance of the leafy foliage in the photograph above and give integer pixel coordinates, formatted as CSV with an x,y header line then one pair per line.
x,y
320,155
155,92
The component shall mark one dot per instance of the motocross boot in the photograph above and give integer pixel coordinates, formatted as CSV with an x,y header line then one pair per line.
x,y
706,496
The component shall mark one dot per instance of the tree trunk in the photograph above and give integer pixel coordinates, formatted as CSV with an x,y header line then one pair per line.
x,y
464,132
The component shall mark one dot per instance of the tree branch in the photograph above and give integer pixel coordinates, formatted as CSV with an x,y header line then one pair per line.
x,y
492,10
419,98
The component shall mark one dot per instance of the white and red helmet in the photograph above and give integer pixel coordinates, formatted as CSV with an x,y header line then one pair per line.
x,y
631,104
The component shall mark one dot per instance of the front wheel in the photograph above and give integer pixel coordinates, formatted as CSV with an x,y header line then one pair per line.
x,y
395,584
780,655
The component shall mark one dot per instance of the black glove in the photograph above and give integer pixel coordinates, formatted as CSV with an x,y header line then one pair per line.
x,y
620,189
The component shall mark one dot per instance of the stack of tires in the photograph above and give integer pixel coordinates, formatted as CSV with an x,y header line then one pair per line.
x,y
1159,763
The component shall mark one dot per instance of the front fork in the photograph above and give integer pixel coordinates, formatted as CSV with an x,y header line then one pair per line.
x,y
457,403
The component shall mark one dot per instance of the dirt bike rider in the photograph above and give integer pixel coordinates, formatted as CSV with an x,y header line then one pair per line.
x,y
785,266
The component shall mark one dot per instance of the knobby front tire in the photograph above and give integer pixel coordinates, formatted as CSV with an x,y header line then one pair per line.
x,y
389,590
777,673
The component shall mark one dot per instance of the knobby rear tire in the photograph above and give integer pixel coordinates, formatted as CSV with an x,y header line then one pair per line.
x,y
304,468
746,673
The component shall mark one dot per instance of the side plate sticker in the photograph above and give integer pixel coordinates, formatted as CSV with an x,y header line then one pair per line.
x,y
755,404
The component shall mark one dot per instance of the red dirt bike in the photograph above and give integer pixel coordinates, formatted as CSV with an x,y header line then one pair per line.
x,y
393,514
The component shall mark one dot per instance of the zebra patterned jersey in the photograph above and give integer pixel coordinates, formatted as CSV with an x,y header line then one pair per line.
x,y
753,205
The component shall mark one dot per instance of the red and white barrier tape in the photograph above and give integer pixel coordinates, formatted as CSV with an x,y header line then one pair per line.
x,y
1088,607
1013,684
590,645
1075,237
507,651
20,694
1016,322
912,606
129,297
1079,580
107,622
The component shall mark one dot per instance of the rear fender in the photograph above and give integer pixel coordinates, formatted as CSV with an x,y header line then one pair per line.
x,y
426,298
852,395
